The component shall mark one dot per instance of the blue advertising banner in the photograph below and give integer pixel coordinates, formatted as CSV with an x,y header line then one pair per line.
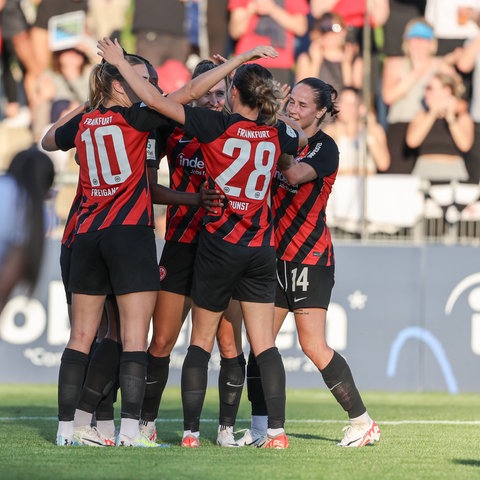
x,y
407,318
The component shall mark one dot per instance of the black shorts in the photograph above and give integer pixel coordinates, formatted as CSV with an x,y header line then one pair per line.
x,y
176,267
303,286
115,260
13,20
65,260
224,270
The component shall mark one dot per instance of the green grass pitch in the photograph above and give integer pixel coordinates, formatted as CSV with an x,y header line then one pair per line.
x,y
424,436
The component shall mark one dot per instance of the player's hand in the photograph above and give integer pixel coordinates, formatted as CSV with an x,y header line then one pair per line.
x,y
210,200
111,52
262,51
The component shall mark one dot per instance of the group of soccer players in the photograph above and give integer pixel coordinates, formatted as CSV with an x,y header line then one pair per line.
x,y
237,258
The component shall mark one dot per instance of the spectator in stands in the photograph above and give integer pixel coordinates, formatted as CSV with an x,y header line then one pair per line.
x,y
353,14
42,48
269,22
23,190
442,130
470,62
401,12
452,22
107,18
348,131
403,85
159,28
64,87
329,56
16,32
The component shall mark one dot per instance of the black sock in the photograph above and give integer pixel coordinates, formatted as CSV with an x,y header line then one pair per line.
x,y
230,387
104,410
70,382
133,370
101,375
157,376
194,386
254,387
272,373
339,380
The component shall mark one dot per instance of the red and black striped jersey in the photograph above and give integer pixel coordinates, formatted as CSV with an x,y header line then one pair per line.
x,y
111,145
187,172
240,158
301,232
69,230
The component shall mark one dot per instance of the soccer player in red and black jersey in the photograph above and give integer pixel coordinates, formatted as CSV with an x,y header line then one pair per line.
x,y
183,225
235,258
306,262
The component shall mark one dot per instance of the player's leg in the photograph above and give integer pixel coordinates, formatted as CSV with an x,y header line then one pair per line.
x,y
170,312
232,372
195,371
259,414
310,319
171,309
259,321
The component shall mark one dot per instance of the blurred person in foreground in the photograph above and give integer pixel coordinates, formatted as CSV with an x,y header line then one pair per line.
x,y
23,189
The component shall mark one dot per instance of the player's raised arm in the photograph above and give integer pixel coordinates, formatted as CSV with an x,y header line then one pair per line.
x,y
112,52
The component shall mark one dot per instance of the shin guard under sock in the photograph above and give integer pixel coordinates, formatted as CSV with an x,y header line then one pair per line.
x,y
254,387
194,386
133,370
230,386
101,376
338,378
70,382
157,376
272,373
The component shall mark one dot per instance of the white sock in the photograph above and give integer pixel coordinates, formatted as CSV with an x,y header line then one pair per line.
x,y
106,428
259,423
363,420
273,432
129,427
65,428
82,418
189,432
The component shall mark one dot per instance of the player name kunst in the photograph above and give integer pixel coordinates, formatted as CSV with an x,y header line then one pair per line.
x,y
241,132
239,205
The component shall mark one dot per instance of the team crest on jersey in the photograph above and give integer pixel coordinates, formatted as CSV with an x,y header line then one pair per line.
x,y
163,272
151,149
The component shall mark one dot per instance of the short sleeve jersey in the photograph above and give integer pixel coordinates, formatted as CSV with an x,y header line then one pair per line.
x,y
187,173
111,147
301,232
240,158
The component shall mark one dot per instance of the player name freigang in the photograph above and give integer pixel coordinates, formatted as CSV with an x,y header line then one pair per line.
x,y
103,192
98,121
241,132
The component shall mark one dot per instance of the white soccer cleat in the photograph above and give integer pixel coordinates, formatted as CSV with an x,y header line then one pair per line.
x,y
64,440
148,429
251,437
139,440
91,437
225,437
359,437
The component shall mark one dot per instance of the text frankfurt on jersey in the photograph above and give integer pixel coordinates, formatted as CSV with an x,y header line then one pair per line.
x,y
241,132
104,192
98,121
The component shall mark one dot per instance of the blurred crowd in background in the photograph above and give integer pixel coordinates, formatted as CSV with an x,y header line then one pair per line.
x,y
405,71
